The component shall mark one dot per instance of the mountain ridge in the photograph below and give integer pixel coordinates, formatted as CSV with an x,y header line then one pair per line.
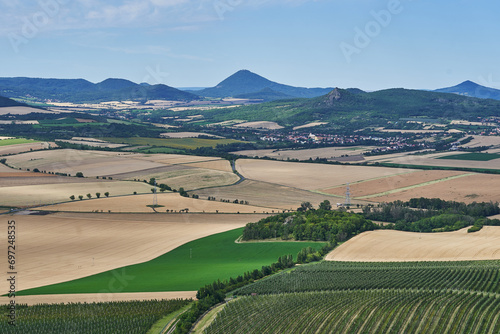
x,y
81,90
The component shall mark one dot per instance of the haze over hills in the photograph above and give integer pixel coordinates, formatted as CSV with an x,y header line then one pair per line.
x,y
80,90
245,82
472,89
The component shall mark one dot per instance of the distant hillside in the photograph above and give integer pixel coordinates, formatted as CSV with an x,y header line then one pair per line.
x,y
344,106
5,102
246,82
80,90
472,89
266,95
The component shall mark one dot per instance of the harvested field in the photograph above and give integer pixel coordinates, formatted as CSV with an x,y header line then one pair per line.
x,y
62,247
322,153
260,125
392,183
91,163
189,178
20,178
468,189
484,141
196,178
435,159
139,203
22,111
99,297
309,125
266,194
221,165
39,194
20,148
310,176
392,246
173,159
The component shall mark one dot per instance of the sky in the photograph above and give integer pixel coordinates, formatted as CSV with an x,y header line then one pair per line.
x,y
368,44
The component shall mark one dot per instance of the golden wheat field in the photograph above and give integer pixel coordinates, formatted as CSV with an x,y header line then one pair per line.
x,y
168,201
390,246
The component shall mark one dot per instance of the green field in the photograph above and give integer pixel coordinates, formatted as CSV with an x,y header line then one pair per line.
x,y
179,143
472,156
113,317
7,142
185,268
350,297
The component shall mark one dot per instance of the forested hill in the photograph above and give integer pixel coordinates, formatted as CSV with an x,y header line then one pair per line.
x,y
343,106
246,82
469,88
6,102
80,90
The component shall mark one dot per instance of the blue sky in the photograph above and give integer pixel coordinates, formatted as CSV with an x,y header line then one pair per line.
x,y
370,44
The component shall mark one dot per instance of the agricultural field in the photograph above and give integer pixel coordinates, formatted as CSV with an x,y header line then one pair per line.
x,y
185,268
403,311
472,156
187,135
221,165
393,184
66,246
484,141
267,194
26,147
91,143
172,202
112,317
437,159
260,125
391,245
180,143
367,297
184,176
321,153
22,111
469,188
309,125
14,141
42,193
310,176
91,163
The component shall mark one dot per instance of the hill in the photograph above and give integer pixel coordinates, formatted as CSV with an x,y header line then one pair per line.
x,y
343,106
472,89
266,95
80,90
6,102
246,82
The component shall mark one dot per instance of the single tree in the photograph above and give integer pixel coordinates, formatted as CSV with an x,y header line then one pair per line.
x,y
106,194
305,206
98,195
79,174
80,197
325,205
89,196
72,197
